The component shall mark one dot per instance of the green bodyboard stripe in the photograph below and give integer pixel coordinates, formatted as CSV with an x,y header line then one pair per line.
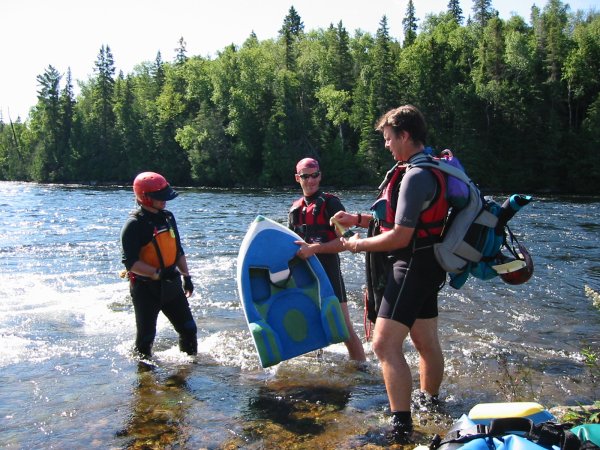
x,y
266,345
333,311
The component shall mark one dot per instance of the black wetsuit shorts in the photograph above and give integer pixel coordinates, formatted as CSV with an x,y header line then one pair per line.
x,y
331,264
412,287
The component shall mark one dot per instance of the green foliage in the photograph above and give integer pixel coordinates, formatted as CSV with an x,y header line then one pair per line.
x,y
582,415
518,102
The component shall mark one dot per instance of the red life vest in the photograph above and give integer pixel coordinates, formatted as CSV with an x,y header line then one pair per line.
x,y
311,221
431,220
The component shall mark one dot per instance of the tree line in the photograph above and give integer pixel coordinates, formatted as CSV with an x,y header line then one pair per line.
x,y
518,102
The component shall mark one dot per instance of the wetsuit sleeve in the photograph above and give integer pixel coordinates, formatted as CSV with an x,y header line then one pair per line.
x,y
417,189
334,205
130,242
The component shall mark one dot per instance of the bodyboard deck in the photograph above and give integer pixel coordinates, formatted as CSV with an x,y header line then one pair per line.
x,y
289,303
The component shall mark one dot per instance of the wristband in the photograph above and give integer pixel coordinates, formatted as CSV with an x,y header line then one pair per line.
x,y
358,219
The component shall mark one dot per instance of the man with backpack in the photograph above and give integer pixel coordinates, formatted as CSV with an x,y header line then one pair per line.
x,y
309,217
404,277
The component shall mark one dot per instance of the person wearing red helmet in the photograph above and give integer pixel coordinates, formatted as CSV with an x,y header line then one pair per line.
x,y
155,262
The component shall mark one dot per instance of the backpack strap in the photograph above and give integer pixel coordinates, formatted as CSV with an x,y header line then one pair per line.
x,y
388,176
320,201
506,425
427,161
548,434
459,436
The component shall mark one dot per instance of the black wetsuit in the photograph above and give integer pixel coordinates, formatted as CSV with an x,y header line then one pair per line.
x,y
415,278
137,232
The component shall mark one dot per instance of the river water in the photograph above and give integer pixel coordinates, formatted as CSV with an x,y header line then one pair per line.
x,y
68,378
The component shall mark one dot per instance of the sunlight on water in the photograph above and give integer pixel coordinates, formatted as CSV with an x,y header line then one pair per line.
x,y
69,378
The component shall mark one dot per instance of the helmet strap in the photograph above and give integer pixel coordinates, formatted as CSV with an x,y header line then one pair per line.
x,y
512,248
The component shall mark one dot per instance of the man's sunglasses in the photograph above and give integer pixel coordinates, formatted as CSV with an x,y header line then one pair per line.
x,y
306,176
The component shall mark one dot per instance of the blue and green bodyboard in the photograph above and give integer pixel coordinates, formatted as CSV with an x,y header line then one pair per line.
x,y
289,303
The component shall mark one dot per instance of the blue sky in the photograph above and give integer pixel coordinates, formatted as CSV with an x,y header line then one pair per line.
x,y
69,33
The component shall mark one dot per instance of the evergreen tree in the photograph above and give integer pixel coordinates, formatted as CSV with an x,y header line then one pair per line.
x,y
12,162
131,149
46,128
291,32
384,82
491,53
339,59
292,24
482,12
409,24
455,10
158,71
97,133
555,39
581,69
181,52
337,81
382,88
67,107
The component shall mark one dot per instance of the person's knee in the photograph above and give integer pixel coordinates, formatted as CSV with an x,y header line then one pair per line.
x,y
426,344
425,337
383,348
422,344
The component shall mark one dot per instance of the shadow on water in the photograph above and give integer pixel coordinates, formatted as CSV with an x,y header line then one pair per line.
x,y
302,417
297,409
325,404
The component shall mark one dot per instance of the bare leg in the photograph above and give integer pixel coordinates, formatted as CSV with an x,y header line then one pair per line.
x,y
388,340
424,335
353,344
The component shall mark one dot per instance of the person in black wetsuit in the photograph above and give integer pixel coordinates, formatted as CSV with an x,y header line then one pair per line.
x,y
309,217
155,262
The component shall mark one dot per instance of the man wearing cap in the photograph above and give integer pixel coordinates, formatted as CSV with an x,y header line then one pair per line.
x,y
155,261
309,217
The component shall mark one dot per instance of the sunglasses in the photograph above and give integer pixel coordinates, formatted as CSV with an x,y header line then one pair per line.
x,y
306,176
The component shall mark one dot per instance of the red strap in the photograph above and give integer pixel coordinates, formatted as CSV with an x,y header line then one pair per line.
x,y
366,322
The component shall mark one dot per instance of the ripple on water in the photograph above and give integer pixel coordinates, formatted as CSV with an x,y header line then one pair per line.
x,y
69,378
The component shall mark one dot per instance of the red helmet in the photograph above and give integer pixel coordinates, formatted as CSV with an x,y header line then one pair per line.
x,y
522,275
152,185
